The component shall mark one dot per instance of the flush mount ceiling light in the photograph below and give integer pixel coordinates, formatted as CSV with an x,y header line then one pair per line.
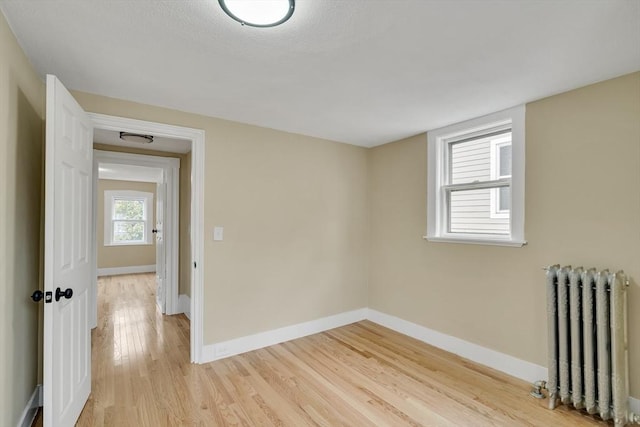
x,y
259,13
136,137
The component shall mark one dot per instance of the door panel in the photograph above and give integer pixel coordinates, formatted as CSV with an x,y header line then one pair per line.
x,y
67,340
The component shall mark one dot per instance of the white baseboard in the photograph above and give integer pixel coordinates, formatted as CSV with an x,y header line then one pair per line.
x,y
513,366
229,348
31,409
502,362
634,405
184,305
134,269
510,365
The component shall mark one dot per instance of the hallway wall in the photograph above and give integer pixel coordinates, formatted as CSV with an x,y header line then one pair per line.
x,y
22,109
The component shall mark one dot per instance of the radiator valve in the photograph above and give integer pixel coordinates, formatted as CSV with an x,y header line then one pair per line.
x,y
536,391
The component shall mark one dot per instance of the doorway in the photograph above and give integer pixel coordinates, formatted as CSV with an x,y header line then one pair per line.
x,y
194,137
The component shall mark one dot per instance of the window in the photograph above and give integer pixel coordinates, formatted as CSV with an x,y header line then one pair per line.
x,y
128,217
476,181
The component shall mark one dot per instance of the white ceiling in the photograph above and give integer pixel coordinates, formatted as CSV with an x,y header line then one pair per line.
x,y
171,145
356,71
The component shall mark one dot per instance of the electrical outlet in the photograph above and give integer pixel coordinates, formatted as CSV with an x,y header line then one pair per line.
x,y
218,233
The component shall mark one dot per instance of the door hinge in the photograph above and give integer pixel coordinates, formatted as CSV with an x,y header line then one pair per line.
x,y
195,265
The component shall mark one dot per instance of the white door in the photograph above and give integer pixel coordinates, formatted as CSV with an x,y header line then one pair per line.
x,y
160,248
67,275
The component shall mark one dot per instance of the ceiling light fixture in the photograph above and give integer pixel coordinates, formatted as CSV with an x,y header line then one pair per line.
x,y
259,13
136,137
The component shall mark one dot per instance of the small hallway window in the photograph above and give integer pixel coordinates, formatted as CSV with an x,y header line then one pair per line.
x,y
128,217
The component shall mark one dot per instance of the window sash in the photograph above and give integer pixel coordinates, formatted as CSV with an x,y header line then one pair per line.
x,y
448,190
115,220
496,183
111,221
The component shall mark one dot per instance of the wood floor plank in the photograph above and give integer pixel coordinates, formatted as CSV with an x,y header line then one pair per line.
x,y
435,387
358,375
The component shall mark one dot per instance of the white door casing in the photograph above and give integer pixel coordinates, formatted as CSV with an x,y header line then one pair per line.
x,y
197,138
160,249
67,256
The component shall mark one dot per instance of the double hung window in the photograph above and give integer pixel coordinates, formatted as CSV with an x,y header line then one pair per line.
x,y
476,181
128,217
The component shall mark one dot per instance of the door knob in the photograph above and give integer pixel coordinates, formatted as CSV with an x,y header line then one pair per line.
x,y
154,231
36,296
68,293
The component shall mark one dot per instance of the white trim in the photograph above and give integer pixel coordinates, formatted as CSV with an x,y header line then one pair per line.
x,y
134,173
488,242
437,177
197,246
134,269
184,305
502,362
510,365
634,405
31,409
197,137
236,346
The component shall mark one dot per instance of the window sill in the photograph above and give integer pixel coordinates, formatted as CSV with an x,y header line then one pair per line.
x,y
470,241
129,244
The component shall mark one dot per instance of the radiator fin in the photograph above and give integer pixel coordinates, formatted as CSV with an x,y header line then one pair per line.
x,y
589,336
575,281
604,344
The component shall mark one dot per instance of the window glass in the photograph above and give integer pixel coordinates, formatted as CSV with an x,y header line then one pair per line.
x,y
505,161
470,161
128,209
130,231
470,212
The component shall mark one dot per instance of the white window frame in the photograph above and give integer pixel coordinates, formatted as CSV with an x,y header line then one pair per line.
x,y
437,178
109,197
495,211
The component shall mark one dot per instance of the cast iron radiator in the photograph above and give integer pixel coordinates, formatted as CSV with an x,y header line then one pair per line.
x,y
588,359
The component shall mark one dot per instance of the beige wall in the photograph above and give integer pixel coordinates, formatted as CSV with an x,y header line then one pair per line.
x,y
123,255
21,163
582,208
295,216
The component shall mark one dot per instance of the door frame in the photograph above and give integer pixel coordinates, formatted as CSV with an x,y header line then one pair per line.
x,y
171,175
197,138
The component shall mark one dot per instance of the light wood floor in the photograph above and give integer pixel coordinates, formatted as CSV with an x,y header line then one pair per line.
x,y
357,375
